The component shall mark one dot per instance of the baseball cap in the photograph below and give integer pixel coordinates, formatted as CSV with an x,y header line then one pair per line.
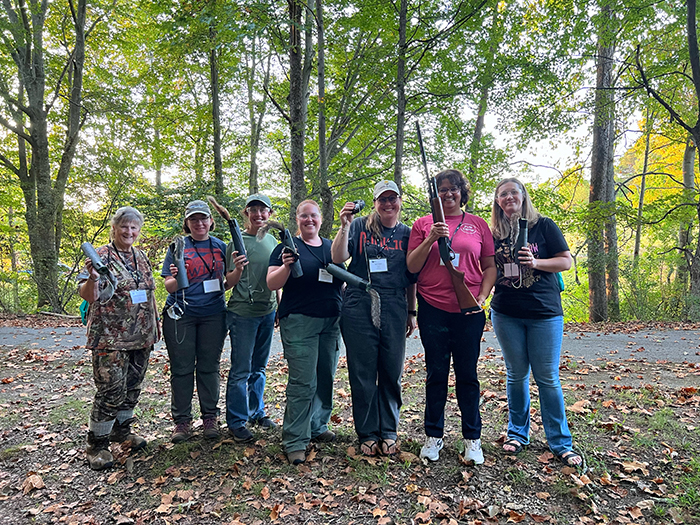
x,y
197,207
386,185
258,197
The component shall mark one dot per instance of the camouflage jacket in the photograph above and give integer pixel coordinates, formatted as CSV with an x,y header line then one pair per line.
x,y
118,323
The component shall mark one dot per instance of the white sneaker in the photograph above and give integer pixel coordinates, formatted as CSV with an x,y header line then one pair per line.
x,y
473,452
431,449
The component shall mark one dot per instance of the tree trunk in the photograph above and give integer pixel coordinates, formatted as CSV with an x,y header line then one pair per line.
x,y
297,93
611,255
13,261
400,95
255,121
327,209
603,137
216,113
684,237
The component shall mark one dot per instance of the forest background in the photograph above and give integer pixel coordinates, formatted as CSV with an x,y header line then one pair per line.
x,y
153,103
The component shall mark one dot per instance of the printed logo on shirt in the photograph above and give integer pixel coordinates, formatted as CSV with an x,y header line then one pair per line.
x,y
197,271
395,244
469,229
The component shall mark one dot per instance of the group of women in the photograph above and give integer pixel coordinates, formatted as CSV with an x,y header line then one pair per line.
x,y
402,265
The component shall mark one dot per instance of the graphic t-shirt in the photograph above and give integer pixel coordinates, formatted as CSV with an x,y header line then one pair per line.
x,y
534,294
206,261
471,239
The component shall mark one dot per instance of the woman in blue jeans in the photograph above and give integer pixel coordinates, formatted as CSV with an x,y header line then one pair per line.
x,y
528,319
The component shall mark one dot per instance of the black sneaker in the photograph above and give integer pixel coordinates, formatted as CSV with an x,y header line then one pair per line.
x,y
241,435
265,422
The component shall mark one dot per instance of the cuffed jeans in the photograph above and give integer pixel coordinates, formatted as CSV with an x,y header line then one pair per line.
x,y
533,344
311,350
375,361
448,335
250,349
194,344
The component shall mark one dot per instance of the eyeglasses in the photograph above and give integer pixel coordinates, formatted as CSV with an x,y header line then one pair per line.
x,y
445,191
507,193
312,216
390,200
200,221
258,209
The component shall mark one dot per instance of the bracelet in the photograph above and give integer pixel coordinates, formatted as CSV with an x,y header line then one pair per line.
x,y
412,312
94,280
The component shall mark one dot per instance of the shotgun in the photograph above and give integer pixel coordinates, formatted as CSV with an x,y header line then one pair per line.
x,y
465,298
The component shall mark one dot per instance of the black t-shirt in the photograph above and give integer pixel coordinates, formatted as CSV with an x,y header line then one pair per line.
x,y
308,295
392,247
538,296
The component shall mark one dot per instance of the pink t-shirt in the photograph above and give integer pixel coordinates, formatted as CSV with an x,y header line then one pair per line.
x,y
472,240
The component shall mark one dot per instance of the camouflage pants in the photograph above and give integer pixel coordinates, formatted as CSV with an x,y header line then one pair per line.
x,y
118,377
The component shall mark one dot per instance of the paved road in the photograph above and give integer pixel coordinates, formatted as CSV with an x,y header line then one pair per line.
x,y
653,345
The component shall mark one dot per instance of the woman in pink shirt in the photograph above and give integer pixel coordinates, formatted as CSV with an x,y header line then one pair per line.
x,y
445,332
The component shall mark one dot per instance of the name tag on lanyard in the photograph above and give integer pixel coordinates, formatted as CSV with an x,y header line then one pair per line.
x,y
138,296
324,276
212,285
511,270
379,264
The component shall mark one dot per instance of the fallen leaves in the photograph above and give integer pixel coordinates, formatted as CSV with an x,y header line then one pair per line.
x,y
32,482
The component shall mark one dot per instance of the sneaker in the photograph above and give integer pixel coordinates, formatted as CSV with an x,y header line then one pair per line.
x,y
265,422
473,452
241,435
327,437
182,432
211,428
296,457
431,449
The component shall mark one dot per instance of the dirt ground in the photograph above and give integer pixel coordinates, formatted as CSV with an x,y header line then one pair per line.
x,y
635,422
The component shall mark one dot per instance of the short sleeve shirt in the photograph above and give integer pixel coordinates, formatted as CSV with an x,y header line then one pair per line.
x,y
251,297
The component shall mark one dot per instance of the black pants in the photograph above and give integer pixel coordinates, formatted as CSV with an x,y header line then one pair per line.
x,y
457,336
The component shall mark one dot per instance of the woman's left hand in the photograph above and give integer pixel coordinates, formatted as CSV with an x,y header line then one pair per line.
x,y
411,324
526,258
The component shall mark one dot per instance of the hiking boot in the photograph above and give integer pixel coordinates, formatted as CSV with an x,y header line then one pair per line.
x,y
241,435
265,422
211,428
327,437
296,457
473,452
431,449
182,432
97,452
121,432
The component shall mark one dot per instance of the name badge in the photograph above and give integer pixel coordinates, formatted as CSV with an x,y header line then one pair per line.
x,y
138,296
455,261
378,265
511,270
324,276
212,285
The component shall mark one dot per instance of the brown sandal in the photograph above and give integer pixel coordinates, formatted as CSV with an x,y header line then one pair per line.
x,y
369,448
389,447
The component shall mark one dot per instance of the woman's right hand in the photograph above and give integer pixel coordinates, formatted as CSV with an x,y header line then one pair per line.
x,y
239,261
346,214
173,269
92,273
437,230
288,258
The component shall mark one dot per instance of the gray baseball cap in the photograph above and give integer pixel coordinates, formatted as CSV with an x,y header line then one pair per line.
x,y
258,197
386,185
197,207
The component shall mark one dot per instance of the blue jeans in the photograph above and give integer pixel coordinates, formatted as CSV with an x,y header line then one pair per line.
x,y
250,349
533,344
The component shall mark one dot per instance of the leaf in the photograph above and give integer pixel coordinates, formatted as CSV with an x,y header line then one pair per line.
x,y
378,513
543,495
265,492
579,407
32,482
631,466
423,517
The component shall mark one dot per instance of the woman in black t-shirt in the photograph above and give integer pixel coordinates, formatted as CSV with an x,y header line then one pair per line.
x,y
309,326
527,317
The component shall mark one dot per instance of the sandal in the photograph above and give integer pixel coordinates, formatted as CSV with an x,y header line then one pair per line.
x,y
515,444
389,447
369,448
571,458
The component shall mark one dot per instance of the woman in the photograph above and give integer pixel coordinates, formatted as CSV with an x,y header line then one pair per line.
x,y
308,316
528,319
122,327
377,245
251,323
446,332
194,323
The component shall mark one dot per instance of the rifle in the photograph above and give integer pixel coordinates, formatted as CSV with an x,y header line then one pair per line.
x,y
465,298
287,242
233,227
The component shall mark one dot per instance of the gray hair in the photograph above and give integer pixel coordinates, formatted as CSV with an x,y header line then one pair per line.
x,y
124,215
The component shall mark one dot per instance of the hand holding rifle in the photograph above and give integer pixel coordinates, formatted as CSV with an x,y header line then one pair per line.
x,y
440,232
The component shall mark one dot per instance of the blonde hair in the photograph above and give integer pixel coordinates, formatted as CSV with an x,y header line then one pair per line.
x,y
500,223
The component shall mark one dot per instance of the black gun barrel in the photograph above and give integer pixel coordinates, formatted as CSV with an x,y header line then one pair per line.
x,y
97,263
521,241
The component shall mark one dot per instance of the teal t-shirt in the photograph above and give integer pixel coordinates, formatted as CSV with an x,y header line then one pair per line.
x,y
251,297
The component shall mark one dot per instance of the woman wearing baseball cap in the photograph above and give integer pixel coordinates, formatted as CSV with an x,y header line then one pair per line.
x,y
194,323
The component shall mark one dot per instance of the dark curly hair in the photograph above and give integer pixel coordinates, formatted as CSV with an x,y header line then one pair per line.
x,y
457,178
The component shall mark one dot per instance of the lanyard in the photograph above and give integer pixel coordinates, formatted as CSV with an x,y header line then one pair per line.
x,y
323,262
134,272
213,258
386,243
457,228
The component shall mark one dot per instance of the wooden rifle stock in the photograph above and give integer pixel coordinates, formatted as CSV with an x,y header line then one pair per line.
x,y
466,300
